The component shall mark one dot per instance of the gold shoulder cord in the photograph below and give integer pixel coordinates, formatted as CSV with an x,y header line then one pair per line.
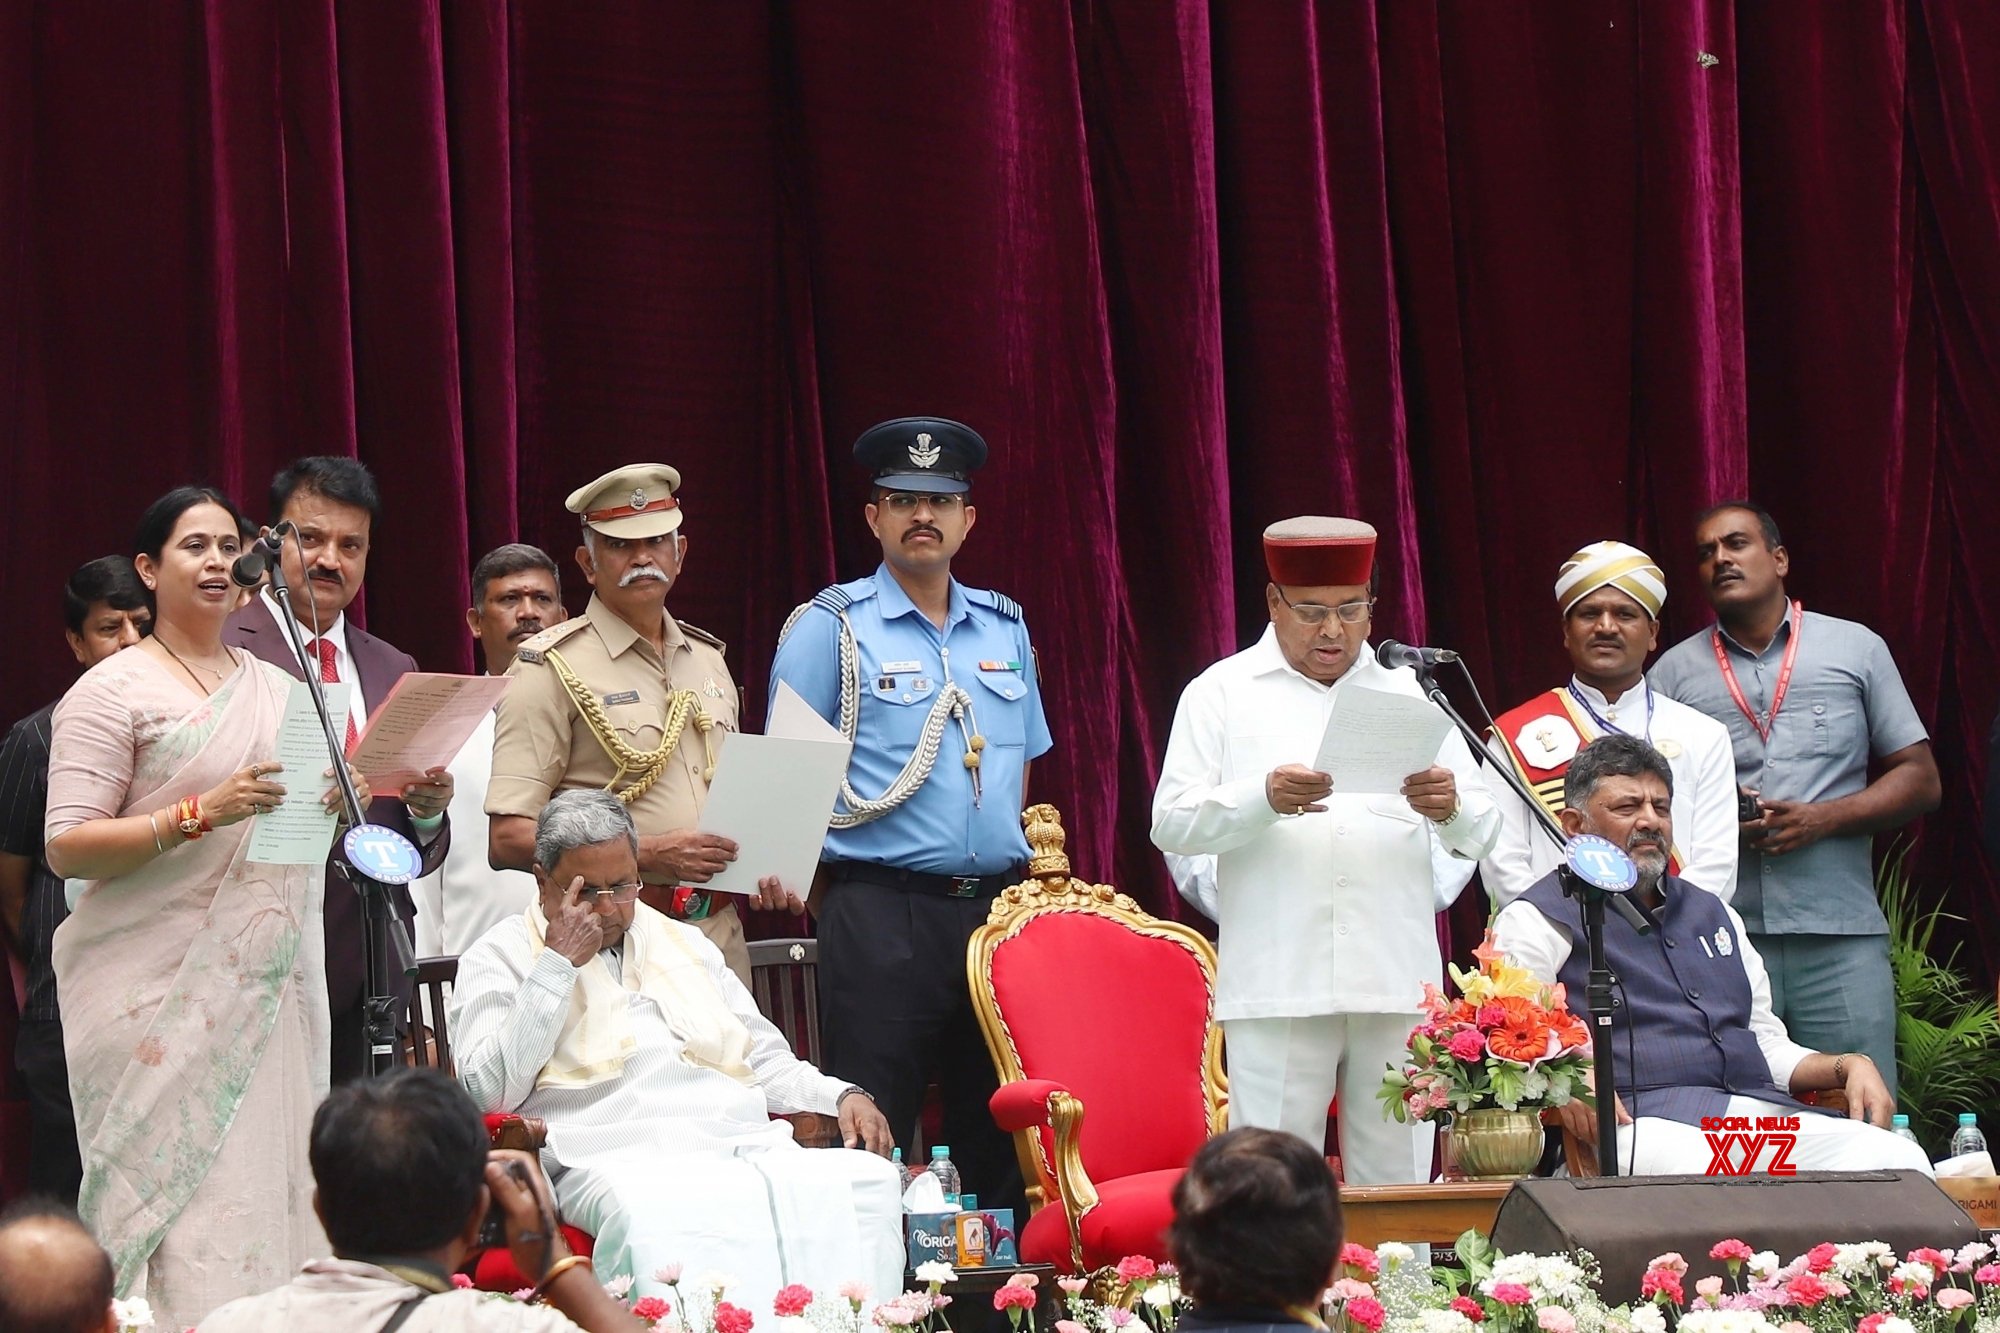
x,y
645,766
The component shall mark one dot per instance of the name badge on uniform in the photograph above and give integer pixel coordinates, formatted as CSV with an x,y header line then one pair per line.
x,y
899,668
622,697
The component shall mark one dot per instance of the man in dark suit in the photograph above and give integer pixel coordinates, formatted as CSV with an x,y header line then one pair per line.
x,y
333,504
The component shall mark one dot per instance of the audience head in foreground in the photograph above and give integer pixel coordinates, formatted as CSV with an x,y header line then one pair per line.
x,y
404,1179
54,1278
1256,1228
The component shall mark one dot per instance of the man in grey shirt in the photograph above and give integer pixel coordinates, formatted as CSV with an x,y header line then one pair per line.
x,y
1808,700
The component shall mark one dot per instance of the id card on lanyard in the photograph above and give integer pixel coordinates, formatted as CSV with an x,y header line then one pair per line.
x,y
1764,725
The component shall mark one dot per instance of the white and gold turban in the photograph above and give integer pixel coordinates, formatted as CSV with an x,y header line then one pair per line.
x,y
1626,568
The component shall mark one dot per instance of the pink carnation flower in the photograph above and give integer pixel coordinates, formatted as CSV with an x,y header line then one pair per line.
x,y
1023,1280
1731,1251
1869,1323
1670,1262
1820,1257
461,1281
1467,1045
1361,1257
1953,1298
652,1309
1069,1326
1367,1312
1347,1289
1136,1268
1470,1308
1660,1282
1806,1289
1011,1297
1555,1319
1987,1274
1512,1293
1709,1288
791,1300
1072,1286
854,1293
732,1318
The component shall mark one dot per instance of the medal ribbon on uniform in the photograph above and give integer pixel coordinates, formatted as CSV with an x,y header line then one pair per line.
x,y
1770,721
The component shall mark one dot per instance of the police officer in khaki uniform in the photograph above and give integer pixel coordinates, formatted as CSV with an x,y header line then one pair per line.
x,y
626,698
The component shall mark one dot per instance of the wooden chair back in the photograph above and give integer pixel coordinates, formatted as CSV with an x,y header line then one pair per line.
x,y
427,1014
784,980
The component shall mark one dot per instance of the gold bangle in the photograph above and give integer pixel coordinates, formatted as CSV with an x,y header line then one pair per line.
x,y
556,1270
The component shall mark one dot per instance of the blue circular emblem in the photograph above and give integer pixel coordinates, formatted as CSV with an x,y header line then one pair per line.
x,y
383,854
1600,863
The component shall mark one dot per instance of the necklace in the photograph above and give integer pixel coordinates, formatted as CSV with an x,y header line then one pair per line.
x,y
191,670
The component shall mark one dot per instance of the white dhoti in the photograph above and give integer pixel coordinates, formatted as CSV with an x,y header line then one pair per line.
x,y
767,1217
1285,1072
1653,1146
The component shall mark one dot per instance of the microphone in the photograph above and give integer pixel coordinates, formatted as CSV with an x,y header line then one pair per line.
x,y
1392,654
248,569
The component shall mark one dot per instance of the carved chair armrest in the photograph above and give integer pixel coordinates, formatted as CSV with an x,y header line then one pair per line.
x,y
1578,1156
525,1133
814,1130
1034,1104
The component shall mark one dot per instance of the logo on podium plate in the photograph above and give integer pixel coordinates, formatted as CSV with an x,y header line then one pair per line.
x,y
1601,863
382,854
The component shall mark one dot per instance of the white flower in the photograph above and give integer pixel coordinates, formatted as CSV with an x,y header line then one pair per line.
x,y
1854,1260
1763,1263
935,1270
1894,1324
793,1323
1729,1321
1439,1321
1161,1295
1972,1254
1921,1274
1647,1319
1557,1276
618,1286
715,1281
1394,1253
132,1314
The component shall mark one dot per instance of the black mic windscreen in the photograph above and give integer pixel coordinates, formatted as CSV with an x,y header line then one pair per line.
x,y
248,569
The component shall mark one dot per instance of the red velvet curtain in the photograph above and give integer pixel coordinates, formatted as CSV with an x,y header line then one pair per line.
x,y
1500,278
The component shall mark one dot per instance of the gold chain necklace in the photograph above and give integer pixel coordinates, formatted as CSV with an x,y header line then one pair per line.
x,y
205,691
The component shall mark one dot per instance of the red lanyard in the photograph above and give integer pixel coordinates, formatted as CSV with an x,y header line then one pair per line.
x,y
1797,618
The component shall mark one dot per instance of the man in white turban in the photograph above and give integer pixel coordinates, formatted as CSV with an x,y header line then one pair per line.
x,y
1610,596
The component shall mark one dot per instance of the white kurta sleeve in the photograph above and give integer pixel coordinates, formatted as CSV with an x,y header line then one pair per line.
x,y
1531,940
1712,841
507,1015
1781,1053
787,1082
1199,807
1472,834
1194,876
1509,869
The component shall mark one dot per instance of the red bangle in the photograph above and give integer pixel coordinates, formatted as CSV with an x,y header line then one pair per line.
x,y
189,818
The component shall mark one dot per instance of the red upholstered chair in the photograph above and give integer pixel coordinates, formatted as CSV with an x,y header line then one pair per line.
x,y
1088,1002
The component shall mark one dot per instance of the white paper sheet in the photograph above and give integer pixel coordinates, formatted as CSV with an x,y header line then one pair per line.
x,y
422,725
300,830
773,795
1375,739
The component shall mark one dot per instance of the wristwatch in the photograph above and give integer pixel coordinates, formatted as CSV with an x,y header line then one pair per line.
x,y
849,1091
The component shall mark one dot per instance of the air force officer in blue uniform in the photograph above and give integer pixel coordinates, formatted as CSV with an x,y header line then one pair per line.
x,y
935,684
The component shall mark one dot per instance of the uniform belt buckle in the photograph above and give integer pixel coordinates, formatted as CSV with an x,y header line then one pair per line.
x,y
964,886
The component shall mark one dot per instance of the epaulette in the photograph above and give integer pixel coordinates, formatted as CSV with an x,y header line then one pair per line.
x,y
533,647
843,595
696,632
999,601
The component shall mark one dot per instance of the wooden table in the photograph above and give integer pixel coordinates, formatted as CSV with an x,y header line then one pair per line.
x,y
972,1291
1438,1212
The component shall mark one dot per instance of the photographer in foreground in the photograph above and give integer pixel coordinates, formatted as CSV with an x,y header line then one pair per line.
x,y
405,1181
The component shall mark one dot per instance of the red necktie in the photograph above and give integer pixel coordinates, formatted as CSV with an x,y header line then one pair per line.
x,y
330,674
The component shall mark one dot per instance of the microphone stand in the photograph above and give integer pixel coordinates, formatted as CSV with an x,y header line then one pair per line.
x,y
1597,988
378,913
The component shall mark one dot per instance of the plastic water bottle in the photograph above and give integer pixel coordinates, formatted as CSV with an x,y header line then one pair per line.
x,y
947,1175
903,1172
1899,1125
1968,1138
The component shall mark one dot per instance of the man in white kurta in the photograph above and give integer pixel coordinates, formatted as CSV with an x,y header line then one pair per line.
x,y
657,1078
516,593
1325,899
1610,595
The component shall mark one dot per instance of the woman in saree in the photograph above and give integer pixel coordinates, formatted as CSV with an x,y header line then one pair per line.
x,y
192,979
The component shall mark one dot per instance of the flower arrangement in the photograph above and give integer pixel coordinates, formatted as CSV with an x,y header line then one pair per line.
x,y
1508,1042
1858,1288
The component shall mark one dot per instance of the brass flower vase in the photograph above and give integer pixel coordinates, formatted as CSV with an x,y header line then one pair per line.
x,y
1492,1144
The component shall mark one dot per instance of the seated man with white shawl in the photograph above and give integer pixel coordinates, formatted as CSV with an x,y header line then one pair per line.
x,y
628,1034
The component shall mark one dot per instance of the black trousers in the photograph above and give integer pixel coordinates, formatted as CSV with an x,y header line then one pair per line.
x,y
56,1168
895,1012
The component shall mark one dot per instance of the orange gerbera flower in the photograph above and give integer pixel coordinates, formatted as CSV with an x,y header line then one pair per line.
x,y
1571,1031
1523,1031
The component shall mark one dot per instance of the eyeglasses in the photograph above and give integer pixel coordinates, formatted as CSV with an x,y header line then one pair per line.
x,y
1314,613
906,502
615,893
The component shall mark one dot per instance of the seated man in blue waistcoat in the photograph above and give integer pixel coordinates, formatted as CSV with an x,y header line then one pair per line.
x,y
1696,1039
